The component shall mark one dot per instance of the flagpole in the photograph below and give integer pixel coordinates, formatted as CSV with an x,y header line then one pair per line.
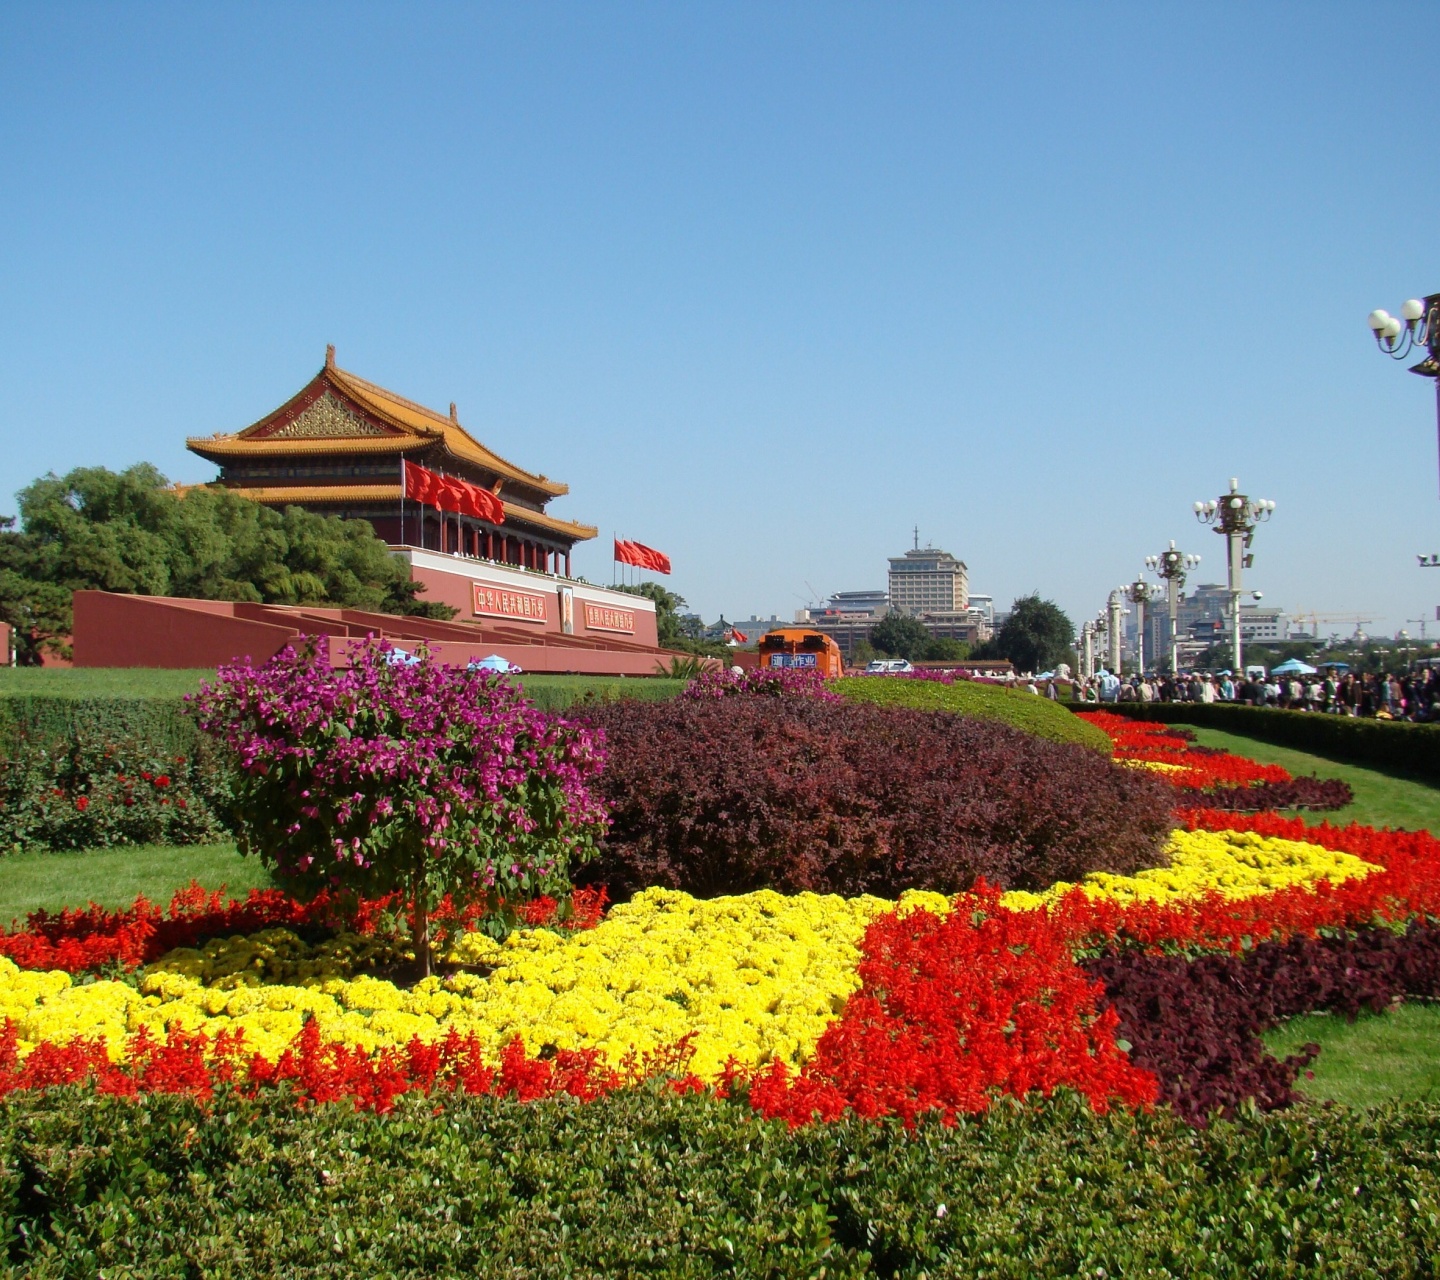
x,y
402,499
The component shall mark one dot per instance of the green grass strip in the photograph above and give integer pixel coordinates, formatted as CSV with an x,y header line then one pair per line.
x,y
113,877
1380,1057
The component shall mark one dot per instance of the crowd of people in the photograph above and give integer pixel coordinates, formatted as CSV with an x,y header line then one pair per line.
x,y
1399,695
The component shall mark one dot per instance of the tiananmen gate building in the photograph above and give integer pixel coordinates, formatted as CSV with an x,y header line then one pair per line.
x,y
343,446
337,447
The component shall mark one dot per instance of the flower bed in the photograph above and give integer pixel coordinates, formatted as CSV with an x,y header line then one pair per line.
x,y
1124,988
1227,781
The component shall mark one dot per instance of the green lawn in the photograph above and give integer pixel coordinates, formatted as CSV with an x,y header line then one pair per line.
x,y
114,877
1381,799
1384,1057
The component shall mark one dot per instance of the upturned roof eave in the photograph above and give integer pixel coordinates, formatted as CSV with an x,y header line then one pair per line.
x,y
416,427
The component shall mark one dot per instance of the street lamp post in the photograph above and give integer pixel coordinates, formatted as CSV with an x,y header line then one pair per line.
x,y
1235,516
1172,566
1139,593
1418,325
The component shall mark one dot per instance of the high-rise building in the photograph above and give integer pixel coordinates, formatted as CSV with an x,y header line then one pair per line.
x,y
925,580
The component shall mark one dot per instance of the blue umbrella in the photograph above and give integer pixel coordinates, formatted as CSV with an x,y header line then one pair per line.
x,y
1293,667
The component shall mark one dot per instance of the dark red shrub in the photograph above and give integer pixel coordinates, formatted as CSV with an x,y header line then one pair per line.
x,y
733,794
1197,1023
1307,792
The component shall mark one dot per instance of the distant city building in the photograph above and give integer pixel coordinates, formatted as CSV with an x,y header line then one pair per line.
x,y
985,606
968,626
925,580
846,629
754,626
859,602
1204,620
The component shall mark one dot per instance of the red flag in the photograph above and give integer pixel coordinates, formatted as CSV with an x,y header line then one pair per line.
x,y
738,636
637,553
446,493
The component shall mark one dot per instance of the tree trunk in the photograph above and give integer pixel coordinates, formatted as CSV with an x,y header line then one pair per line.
x,y
421,926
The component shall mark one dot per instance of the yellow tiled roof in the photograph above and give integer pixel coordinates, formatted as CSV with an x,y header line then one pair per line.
x,y
417,425
406,414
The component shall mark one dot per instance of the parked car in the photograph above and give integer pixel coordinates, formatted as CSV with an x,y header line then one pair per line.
x,y
887,667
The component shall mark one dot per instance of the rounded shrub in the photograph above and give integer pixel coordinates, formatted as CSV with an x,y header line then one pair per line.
x,y
728,795
1024,710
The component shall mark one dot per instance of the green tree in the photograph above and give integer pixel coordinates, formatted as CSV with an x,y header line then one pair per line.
x,y
945,649
670,627
901,637
131,531
1037,635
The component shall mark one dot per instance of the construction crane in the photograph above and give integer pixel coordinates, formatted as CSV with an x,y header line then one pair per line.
x,y
1315,619
1421,621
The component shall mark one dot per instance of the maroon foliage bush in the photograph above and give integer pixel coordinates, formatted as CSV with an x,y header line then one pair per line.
x,y
1197,1023
1306,792
734,794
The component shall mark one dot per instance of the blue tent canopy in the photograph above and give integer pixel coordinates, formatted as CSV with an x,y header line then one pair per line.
x,y
1293,667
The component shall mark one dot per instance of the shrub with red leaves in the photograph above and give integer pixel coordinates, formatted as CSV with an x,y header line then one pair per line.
x,y
1298,793
953,1012
728,795
1196,1024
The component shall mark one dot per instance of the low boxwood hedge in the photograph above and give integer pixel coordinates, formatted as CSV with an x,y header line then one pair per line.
x,y
1018,707
646,1183
1381,744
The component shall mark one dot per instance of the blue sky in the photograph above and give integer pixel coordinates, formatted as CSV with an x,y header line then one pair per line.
x,y
766,284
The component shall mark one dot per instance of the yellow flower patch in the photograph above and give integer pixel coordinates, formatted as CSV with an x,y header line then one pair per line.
x,y
752,976
1156,766
1238,864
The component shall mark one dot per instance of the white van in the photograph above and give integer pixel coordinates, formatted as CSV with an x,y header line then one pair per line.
x,y
888,667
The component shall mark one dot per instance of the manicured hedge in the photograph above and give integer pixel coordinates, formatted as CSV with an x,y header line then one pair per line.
x,y
732,794
90,772
560,692
1018,707
1382,744
645,1183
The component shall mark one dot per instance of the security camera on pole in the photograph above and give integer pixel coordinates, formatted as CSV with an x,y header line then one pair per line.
x,y
1235,516
1172,566
1139,593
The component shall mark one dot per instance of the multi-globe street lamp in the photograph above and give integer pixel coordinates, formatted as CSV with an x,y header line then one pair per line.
x,y
1101,627
1235,515
1418,325
1140,593
1172,566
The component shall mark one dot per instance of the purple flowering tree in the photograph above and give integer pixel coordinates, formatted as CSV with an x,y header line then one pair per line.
x,y
405,777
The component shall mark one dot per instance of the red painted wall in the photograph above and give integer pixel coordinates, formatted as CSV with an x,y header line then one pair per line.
x,y
457,590
148,631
